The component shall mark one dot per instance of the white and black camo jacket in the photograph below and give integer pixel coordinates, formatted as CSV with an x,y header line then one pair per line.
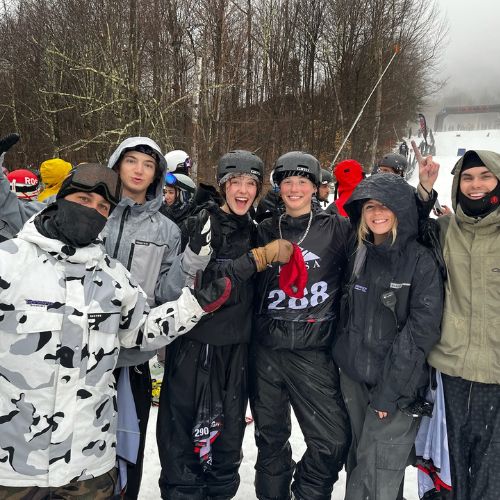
x,y
64,314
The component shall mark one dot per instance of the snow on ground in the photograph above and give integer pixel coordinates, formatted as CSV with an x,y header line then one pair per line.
x,y
150,490
447,145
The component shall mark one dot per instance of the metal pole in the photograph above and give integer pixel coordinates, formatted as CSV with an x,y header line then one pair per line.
x,y
396,51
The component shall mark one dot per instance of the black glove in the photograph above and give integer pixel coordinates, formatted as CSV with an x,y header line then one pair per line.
x,y
199,241
419,408
7,142
214,295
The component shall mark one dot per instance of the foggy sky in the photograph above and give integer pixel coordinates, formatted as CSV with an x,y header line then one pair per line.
x,y
471,59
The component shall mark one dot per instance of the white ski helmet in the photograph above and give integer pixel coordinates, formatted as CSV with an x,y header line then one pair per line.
x,y
177,158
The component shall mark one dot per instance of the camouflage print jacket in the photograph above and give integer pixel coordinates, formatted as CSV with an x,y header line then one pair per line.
x,y
64,314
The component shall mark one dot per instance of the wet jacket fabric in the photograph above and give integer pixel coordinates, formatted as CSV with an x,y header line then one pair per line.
x,y
470,345
283,322
384,349
139,236
232,238
59,343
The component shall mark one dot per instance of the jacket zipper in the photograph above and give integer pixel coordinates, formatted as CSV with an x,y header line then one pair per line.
x,y
120,232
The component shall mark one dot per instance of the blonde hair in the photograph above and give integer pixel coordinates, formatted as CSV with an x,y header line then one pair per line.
x,y
364,232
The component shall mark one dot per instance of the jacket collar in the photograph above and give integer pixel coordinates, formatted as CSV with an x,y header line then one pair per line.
x,y
60,251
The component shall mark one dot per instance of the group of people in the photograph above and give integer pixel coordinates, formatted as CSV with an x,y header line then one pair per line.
x,y
342,313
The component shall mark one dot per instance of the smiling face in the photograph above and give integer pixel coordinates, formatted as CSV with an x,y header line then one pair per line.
x,y
477,182
137,172
297,192
241,192
379,219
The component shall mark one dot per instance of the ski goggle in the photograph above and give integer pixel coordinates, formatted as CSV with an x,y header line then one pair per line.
x,y
170,179
91,177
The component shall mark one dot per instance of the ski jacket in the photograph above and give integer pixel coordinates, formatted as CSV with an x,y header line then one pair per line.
x,y
283,322
232,238
470,344
385,347
139,236
65,314
13,211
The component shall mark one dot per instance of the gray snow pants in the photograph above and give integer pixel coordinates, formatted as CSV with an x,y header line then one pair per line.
x,y
380,448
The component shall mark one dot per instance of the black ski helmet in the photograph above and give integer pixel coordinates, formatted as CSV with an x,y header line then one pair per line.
x,y
297,163
392,160
240,161
326,176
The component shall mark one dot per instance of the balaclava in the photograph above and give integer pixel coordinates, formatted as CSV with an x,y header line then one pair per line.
x,y
486,204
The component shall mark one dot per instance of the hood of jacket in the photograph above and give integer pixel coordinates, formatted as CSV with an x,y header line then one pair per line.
x,y
90,254
489,158
52,174
154,195
394,192
349,174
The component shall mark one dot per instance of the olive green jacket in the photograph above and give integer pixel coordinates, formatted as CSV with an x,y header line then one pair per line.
x,y
470,334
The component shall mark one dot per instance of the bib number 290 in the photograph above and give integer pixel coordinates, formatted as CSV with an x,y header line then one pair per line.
x,y
317,294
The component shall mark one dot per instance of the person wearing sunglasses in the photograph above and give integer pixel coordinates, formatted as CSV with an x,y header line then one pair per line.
x,y
64,319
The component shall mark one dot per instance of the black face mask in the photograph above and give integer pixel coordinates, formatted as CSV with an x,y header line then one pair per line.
x,y
71,223
481,207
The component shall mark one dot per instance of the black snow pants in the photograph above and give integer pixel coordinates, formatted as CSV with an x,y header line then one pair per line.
x,y
473,424
182,477
140,382
380,448
308,381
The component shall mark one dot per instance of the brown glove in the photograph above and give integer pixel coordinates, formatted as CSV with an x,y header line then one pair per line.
x,y
276,251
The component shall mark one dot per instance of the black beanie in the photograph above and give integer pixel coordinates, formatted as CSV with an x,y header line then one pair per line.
x,y
471,160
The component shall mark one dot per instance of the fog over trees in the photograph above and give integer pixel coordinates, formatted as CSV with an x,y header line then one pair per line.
x,y
211,75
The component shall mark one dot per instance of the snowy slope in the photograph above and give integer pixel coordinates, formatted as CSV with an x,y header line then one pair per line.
x,y
447,144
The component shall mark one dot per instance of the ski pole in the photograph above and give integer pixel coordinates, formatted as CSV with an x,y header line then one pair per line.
x,y
396,51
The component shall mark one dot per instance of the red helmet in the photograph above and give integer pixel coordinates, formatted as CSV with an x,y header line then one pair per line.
x,y
24,183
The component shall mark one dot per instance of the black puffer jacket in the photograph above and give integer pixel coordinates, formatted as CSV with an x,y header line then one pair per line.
x,y
283,322
232,238
385,348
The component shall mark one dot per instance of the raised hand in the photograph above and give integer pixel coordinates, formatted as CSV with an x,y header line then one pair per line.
x,y
7,142
199,241
428,169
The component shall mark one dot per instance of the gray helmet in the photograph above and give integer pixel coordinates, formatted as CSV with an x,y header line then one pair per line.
x,y
240,161
297,163
326,176
393,160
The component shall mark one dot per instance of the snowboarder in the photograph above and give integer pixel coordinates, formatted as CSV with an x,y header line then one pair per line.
x,y
291,362
60,342
201,420
390,320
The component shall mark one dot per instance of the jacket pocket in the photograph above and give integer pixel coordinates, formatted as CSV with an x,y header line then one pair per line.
x,y
392,456
103,346
144,264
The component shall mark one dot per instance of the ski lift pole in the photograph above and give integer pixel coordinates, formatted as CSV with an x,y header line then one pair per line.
x,y
396,51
